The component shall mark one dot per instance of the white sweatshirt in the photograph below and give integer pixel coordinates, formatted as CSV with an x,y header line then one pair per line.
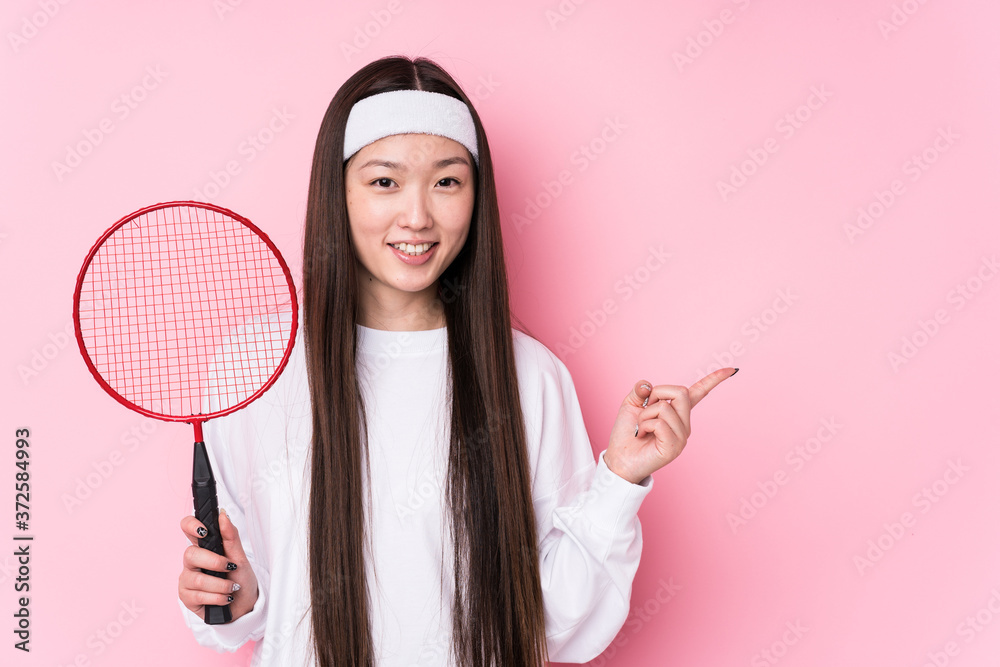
x,y
589,535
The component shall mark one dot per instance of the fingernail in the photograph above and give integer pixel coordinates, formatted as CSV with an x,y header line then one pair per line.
x,y
223,512
231,566
636,431
236,587
229,598
734,372
202,532
645,401
645,385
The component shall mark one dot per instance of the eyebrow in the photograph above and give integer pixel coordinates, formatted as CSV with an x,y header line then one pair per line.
x,y
440,164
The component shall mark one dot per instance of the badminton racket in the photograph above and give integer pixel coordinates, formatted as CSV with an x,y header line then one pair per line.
x,y
186,311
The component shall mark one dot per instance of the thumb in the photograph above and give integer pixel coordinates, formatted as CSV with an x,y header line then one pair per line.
x,y
640,393
231,543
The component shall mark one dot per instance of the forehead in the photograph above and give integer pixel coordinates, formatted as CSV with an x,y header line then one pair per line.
x,y
411,150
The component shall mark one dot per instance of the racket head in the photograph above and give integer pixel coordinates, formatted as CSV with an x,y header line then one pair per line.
x,y
128,332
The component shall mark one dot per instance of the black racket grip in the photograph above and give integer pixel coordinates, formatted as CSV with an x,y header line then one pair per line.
x,y
206,510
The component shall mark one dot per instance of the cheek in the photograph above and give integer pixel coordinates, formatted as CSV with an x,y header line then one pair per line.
x,y
459,224
459,209
368,212
364,217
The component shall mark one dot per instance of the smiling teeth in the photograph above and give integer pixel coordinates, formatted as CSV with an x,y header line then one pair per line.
x,y
413,249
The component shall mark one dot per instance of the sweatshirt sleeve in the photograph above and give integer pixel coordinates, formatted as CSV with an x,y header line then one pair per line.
x,y
590,539
232,488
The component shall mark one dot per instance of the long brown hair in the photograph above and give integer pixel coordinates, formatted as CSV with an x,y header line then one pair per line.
x,y
497,611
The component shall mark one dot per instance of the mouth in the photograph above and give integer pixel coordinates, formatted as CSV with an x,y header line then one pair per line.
x,y
417,255
413,250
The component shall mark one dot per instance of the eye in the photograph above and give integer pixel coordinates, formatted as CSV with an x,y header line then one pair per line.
x,y
382,182
449,178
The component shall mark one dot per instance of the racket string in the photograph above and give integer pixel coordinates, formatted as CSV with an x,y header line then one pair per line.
x,y
186,311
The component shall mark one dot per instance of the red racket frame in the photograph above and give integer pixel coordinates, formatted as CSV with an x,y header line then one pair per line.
x,y
196,420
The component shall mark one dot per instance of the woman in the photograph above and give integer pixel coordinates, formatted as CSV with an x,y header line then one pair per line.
x,y
418,487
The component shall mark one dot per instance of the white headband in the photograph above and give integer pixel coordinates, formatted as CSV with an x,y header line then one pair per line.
x,y
406,112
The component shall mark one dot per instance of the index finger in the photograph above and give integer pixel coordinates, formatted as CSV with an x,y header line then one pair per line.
x,y
700,389
190,525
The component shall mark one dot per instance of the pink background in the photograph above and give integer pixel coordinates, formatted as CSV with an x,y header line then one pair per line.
x,y
856,345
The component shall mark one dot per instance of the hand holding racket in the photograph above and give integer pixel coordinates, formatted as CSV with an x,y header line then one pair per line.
x,y
185,312
197,590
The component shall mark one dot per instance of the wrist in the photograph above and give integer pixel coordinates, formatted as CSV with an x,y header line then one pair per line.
x,y
615,466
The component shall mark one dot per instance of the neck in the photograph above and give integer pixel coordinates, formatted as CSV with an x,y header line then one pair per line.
x,y
396,310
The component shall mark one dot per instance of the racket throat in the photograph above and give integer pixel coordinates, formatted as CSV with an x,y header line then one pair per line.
x,y
202,477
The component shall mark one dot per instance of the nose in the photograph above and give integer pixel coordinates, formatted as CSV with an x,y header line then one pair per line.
x,y
416,213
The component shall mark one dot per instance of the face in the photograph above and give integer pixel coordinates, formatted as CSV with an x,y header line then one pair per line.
x,y
412,188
